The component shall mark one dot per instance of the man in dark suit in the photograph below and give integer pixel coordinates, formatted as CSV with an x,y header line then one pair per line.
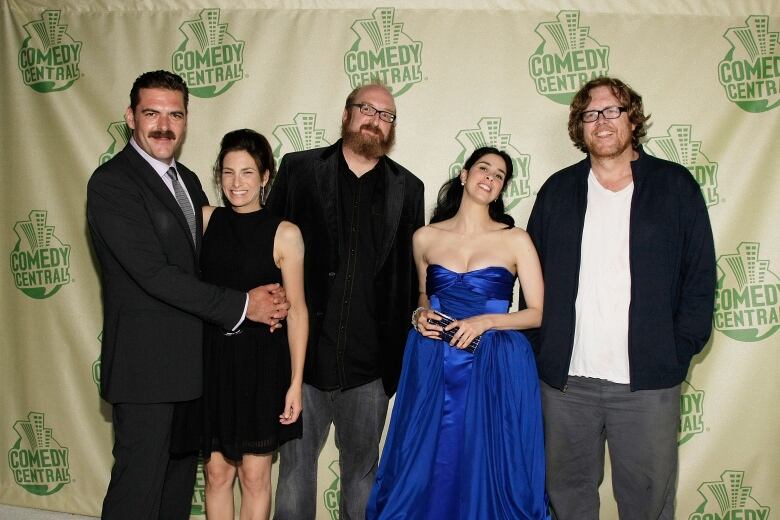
x,y
144,214
357,210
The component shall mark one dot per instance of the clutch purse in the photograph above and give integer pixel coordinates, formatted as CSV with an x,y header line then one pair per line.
x,y
446,335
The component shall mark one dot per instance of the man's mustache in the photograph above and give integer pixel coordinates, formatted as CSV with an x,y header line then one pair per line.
x,y
371,129
162,134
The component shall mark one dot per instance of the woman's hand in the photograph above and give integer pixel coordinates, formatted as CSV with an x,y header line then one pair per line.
x,y
429,330
468,329
292,405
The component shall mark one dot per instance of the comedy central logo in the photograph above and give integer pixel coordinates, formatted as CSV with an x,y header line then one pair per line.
x,y
383,52
38,462
677,146
198,505
333,493
40,262
49,57
747,297
750,72
567,58
691,412
209,59
488,133
301,134
728,499
120,135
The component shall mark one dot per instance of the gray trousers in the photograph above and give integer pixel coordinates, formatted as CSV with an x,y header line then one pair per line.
x,y
641,431
358,415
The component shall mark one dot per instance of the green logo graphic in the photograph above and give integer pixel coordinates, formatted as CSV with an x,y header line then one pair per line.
x,y
38,462
691,412
677,146
567,58
49,57
120,133
747,298
488,133
728,499
209,59
750,72
198,507
383,52
301,134
40,262
332,494
96,365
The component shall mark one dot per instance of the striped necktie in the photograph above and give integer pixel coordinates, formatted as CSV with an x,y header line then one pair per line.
x,y
181,198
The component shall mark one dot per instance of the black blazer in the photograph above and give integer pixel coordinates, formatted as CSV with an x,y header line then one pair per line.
x,y
305,192
153,299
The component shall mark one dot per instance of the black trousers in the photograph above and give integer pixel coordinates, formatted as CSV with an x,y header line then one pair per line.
x,y
146,482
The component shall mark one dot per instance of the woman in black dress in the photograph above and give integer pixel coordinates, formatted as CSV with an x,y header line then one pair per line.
x,y
253,375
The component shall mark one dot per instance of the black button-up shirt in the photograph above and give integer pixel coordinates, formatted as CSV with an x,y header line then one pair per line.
x,y
349,342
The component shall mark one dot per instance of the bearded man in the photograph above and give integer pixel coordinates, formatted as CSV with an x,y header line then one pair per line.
x,y
357,210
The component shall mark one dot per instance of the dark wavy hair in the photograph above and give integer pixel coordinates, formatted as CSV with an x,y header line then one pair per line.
x,y
253,143
158,79
628,98
451,192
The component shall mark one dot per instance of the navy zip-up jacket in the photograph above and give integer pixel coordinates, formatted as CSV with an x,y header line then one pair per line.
x,y
672,262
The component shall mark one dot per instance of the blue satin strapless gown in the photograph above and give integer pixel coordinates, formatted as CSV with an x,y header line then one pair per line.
x,y
465,438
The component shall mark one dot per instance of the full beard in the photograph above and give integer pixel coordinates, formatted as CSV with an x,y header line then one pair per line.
x,y
372,145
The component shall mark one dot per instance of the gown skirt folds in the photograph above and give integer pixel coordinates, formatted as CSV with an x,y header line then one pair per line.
x,y
465,438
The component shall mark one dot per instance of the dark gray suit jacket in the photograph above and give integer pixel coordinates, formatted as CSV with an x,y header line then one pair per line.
x,y
153,299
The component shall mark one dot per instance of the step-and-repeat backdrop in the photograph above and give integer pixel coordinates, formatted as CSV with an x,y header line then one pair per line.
x,y
487,72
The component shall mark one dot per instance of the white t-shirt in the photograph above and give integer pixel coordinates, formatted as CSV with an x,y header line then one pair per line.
x,y
604,295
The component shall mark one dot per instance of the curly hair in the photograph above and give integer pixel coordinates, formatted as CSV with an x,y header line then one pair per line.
x,y
628,98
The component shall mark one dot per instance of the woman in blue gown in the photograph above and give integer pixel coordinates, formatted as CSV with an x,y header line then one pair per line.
x,y
465,438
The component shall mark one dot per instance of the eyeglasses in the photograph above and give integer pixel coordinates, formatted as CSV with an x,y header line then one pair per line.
x,y
368,110
589,116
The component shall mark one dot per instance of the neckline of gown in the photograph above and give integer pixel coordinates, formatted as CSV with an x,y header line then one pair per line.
x,y
501,267
235,214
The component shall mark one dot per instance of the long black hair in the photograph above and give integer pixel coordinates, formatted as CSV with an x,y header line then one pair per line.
x,y
451,192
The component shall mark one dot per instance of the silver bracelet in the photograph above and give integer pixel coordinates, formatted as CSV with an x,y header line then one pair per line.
x,y
416,316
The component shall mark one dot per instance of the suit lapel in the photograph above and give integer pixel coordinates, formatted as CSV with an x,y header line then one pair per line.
x,y
394,202
326,176
153,181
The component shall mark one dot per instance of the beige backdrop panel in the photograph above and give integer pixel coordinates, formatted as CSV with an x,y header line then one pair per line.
x,y
463,77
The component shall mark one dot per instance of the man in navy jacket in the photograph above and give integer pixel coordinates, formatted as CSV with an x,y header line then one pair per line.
x,y
626,248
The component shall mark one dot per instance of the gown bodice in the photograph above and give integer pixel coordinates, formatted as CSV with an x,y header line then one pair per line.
x,y
480,291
